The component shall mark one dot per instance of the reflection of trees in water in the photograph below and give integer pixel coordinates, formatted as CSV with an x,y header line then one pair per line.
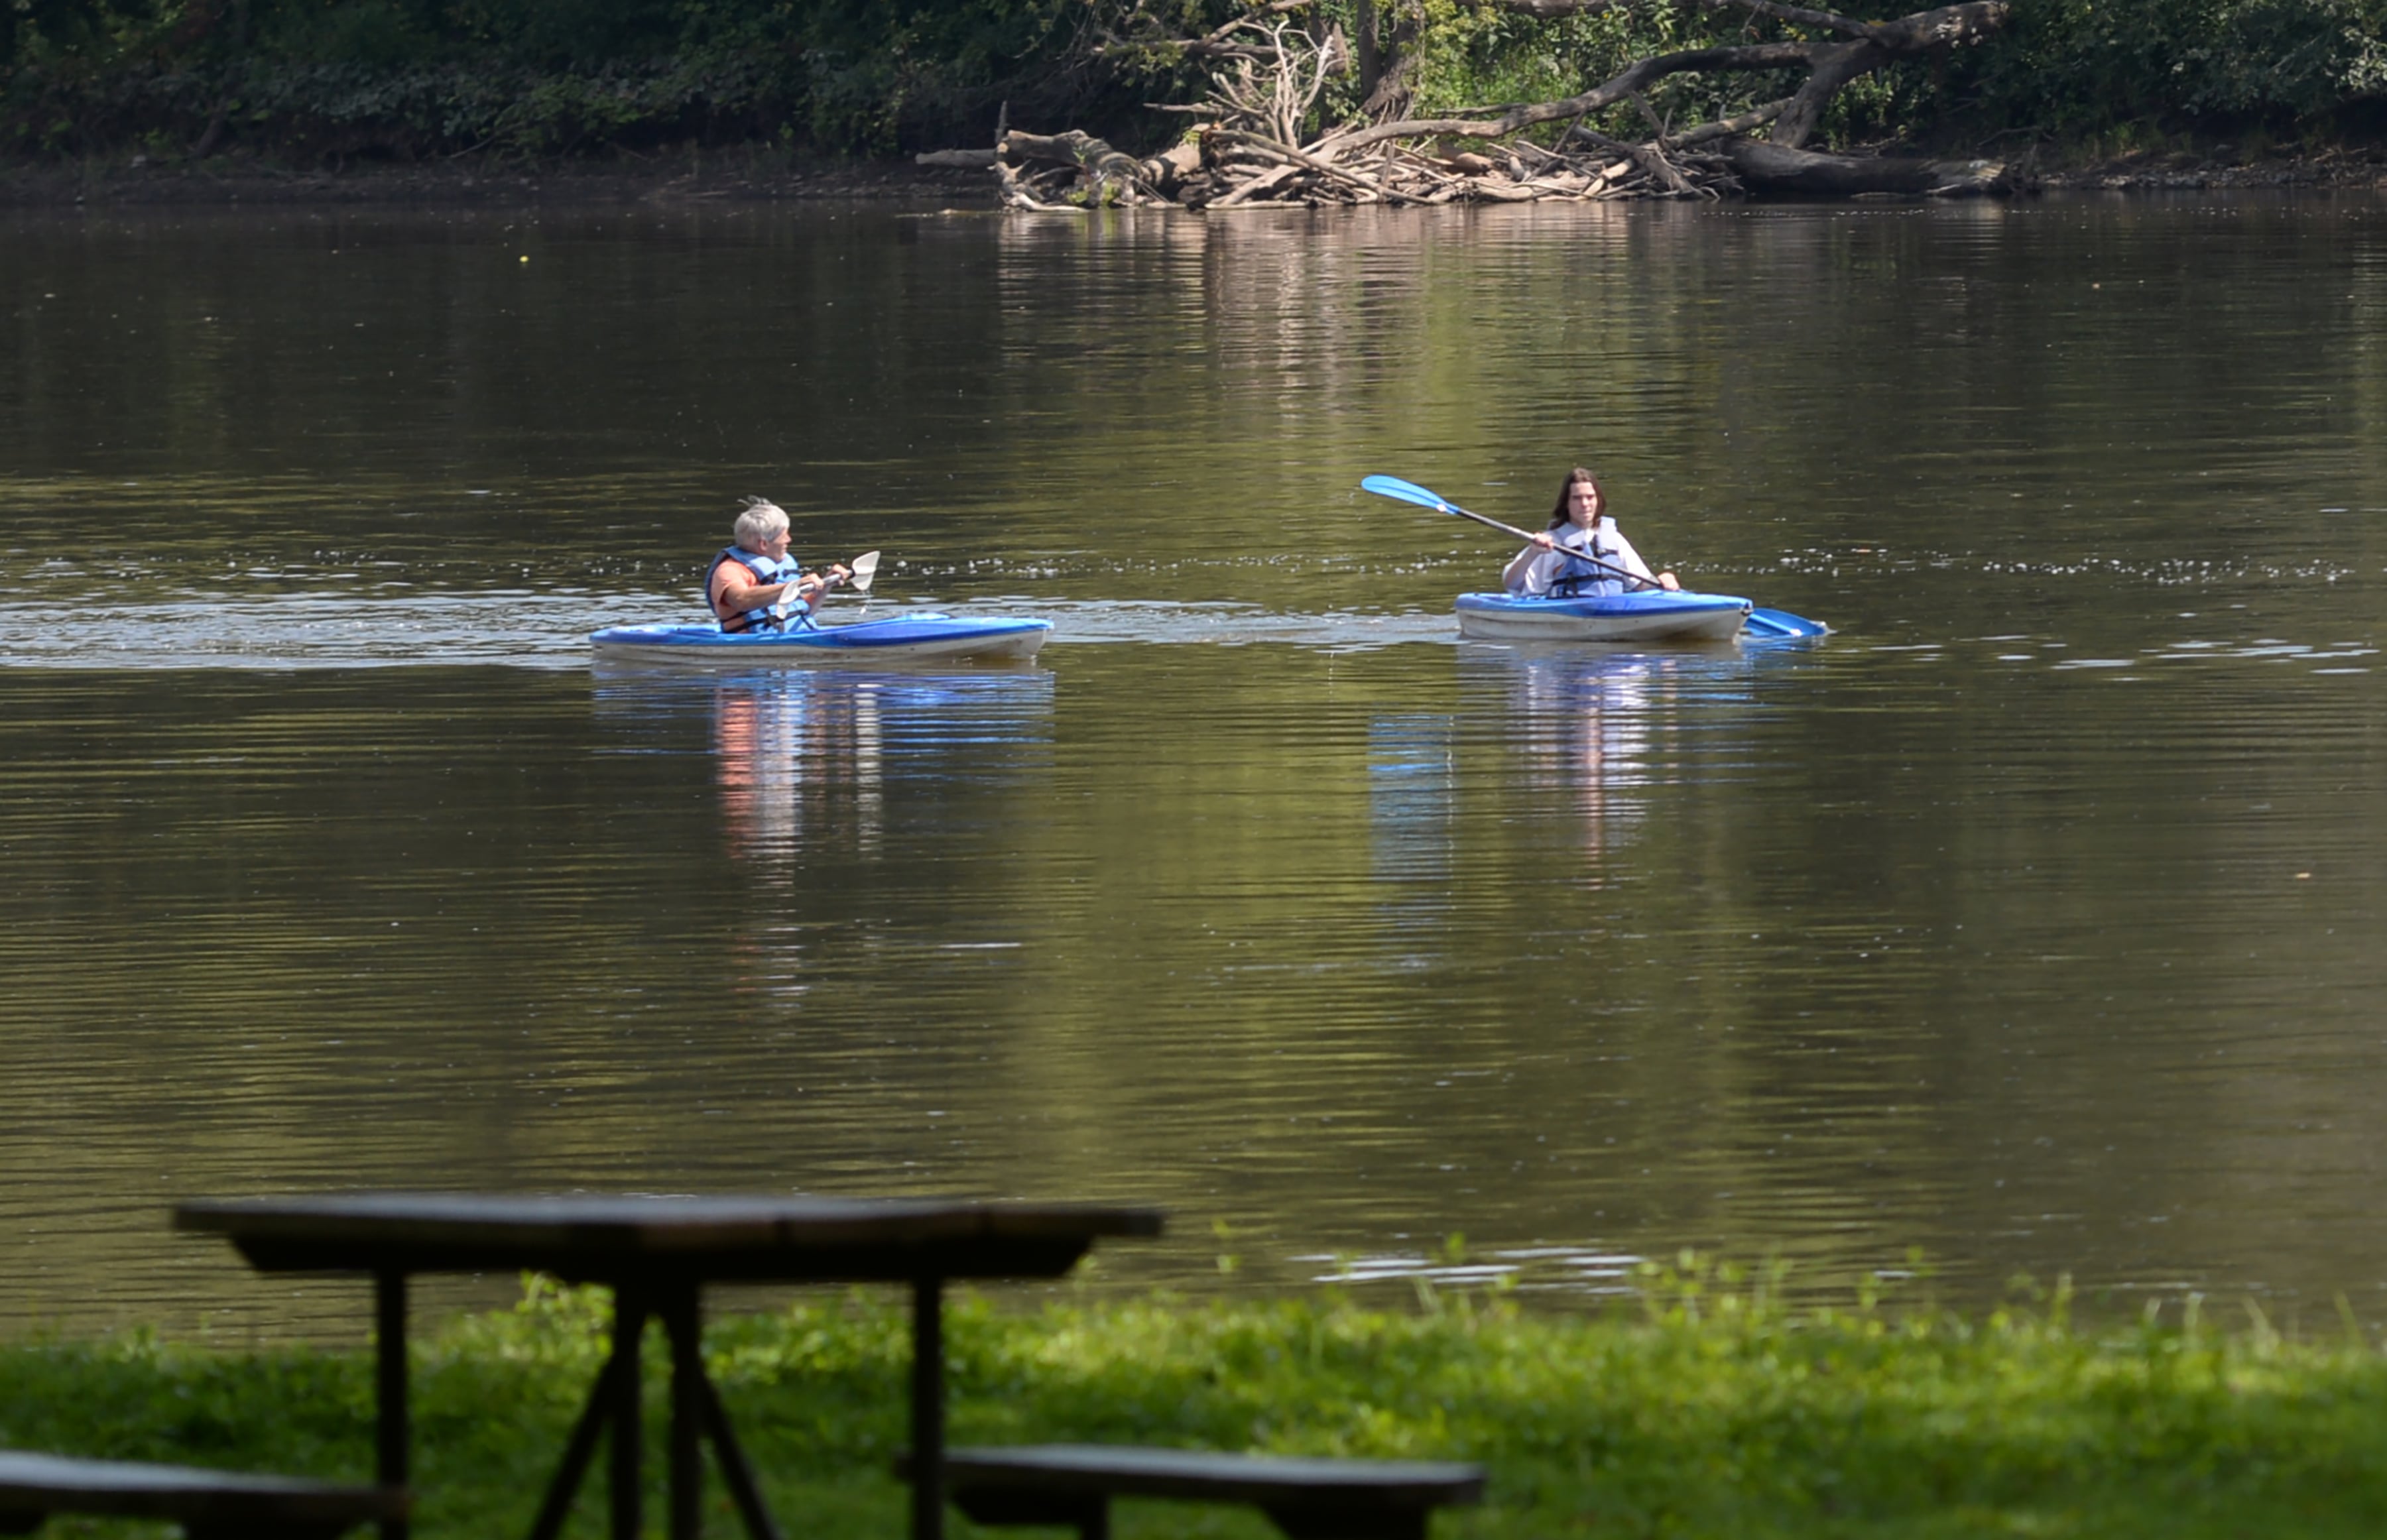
x,y
1293,314
789,761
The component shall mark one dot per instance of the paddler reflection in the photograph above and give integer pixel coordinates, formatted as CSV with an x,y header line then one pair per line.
x,y
794,754
1583,721
814,755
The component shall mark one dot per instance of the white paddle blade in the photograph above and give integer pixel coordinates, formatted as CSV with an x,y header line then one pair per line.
x,y
863,566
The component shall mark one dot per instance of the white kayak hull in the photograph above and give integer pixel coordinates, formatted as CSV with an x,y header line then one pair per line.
x,y
1653,615
922,636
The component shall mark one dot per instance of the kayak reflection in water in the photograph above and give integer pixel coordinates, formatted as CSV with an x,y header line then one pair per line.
x,y
1579,524
793,753
746,579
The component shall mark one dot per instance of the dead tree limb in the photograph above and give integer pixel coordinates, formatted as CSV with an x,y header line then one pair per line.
x,y
1103,172
1638,76
1727,128
1802,173
1323,168
1219,43
1879,42
1550,10
1271,76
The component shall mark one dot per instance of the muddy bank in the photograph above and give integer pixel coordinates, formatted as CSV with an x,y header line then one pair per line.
x,y
707,177
2224,166
762,176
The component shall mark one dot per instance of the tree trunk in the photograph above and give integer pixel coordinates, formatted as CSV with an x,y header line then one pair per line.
x,y
1779,171
1371,62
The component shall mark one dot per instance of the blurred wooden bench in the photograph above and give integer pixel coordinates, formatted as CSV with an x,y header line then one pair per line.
x,y
1072,1484
210,1505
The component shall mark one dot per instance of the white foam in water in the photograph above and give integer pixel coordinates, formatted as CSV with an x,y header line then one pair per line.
x,y
551,630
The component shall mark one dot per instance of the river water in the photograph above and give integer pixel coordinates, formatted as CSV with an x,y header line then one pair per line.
x,y
2030,923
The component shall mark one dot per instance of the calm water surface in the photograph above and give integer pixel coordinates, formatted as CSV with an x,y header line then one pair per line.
x,y
2032,920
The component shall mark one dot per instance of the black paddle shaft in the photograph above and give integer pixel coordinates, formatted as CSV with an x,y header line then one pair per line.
x,y
1529,538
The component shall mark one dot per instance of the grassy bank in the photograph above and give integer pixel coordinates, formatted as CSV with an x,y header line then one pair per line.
x,y
1700,1411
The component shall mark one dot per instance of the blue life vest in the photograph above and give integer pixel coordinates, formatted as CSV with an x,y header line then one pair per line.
x,y
1578,577
766,570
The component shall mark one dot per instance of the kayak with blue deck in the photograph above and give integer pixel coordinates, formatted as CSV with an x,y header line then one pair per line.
x,y
1657,614
1651,613
922,636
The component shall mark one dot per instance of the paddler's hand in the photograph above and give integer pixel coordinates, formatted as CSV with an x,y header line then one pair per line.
x,y
839,574
1667,580
1545,541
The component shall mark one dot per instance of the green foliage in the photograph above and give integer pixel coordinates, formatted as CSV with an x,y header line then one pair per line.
x,y
1473,56
543,77
2073,68
1712,1404
535,76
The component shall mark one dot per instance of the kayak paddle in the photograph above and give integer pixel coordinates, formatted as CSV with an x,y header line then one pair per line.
x,y
1410,491
858,574
1782,623
1762,623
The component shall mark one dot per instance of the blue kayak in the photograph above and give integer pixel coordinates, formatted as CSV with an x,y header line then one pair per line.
x,y
1654,614
923,634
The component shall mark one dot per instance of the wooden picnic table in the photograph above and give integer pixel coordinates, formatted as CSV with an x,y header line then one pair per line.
x,y
657,1253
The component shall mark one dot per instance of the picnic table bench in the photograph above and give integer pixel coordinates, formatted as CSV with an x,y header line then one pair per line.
x,y
1071,1485
210,1505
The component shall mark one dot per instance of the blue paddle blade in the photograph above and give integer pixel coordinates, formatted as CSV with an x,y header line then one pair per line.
x,y
1401,491
1782,623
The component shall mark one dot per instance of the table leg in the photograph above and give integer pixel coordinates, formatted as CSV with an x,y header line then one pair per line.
x,y
683,1327
927,1408
578,1451
736,1473
629,1328
390,1430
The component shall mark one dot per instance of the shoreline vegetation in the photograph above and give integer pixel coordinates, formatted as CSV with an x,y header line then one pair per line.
x,y
1708,1404
1071,103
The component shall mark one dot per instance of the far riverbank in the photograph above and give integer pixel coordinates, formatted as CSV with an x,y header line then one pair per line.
x,y
749,175
710,176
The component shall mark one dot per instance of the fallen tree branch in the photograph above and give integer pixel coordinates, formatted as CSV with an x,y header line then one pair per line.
x,y
1266,182
1252,150
1727,128
1325,168
1550,10
1947,26
1636,77
1015,194
1803,173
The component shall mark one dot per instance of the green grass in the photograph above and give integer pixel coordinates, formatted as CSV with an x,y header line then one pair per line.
x,y
1706,1410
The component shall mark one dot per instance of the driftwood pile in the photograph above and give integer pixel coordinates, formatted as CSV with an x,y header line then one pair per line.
x,y
1246,147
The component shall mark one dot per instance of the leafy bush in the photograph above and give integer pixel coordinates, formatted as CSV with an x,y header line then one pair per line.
x,y
2073,68
545,77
